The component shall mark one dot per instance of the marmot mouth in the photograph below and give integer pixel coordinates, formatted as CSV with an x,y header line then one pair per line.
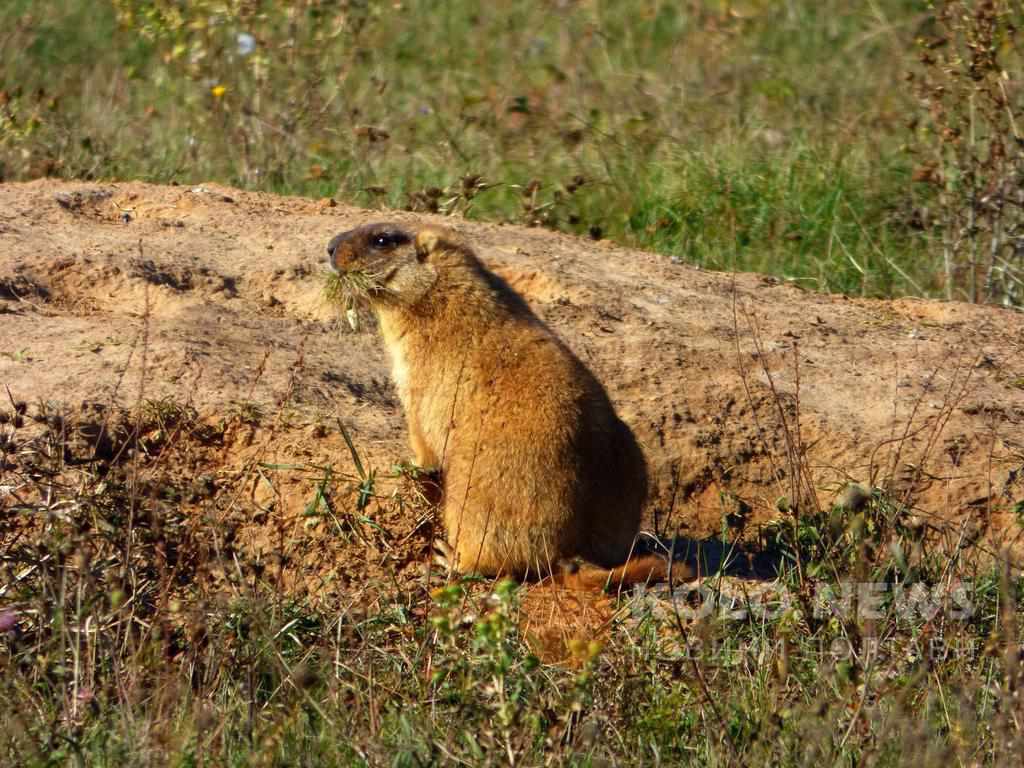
x,y
351,288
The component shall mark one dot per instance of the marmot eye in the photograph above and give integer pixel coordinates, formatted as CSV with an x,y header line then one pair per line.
x,y
387,239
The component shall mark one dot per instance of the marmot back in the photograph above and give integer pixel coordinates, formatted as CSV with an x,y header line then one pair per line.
x,y
536,465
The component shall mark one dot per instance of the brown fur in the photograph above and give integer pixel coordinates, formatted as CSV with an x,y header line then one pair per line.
x,y
536,466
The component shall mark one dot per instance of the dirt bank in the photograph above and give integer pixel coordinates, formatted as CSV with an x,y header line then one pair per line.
x,y
207,297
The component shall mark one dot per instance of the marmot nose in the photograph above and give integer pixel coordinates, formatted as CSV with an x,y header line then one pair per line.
x,y
332,248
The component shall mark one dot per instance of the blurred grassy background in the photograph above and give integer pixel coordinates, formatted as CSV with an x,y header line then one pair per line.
x,y
764,136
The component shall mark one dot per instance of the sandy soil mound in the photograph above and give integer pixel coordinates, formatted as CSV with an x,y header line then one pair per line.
x,y
745,391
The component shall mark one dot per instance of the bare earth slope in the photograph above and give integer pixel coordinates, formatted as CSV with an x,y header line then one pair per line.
x,y
217,292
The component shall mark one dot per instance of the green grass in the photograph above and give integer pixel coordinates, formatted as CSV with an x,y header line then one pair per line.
x,y
750,136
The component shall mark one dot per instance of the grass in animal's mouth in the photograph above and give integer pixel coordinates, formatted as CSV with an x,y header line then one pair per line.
x,y
348,290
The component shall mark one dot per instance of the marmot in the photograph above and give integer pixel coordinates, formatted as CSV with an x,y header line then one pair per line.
x,y
536,466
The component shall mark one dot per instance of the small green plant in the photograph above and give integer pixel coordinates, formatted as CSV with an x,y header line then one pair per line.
x,y
19,356
245,412
494,655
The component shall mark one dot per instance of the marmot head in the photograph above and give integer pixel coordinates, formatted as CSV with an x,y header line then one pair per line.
x,y
380,263
384,263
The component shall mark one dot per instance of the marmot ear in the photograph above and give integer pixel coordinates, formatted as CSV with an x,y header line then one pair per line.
x,y
427,241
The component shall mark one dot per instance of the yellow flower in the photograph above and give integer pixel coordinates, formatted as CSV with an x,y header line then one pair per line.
x,y
218,91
